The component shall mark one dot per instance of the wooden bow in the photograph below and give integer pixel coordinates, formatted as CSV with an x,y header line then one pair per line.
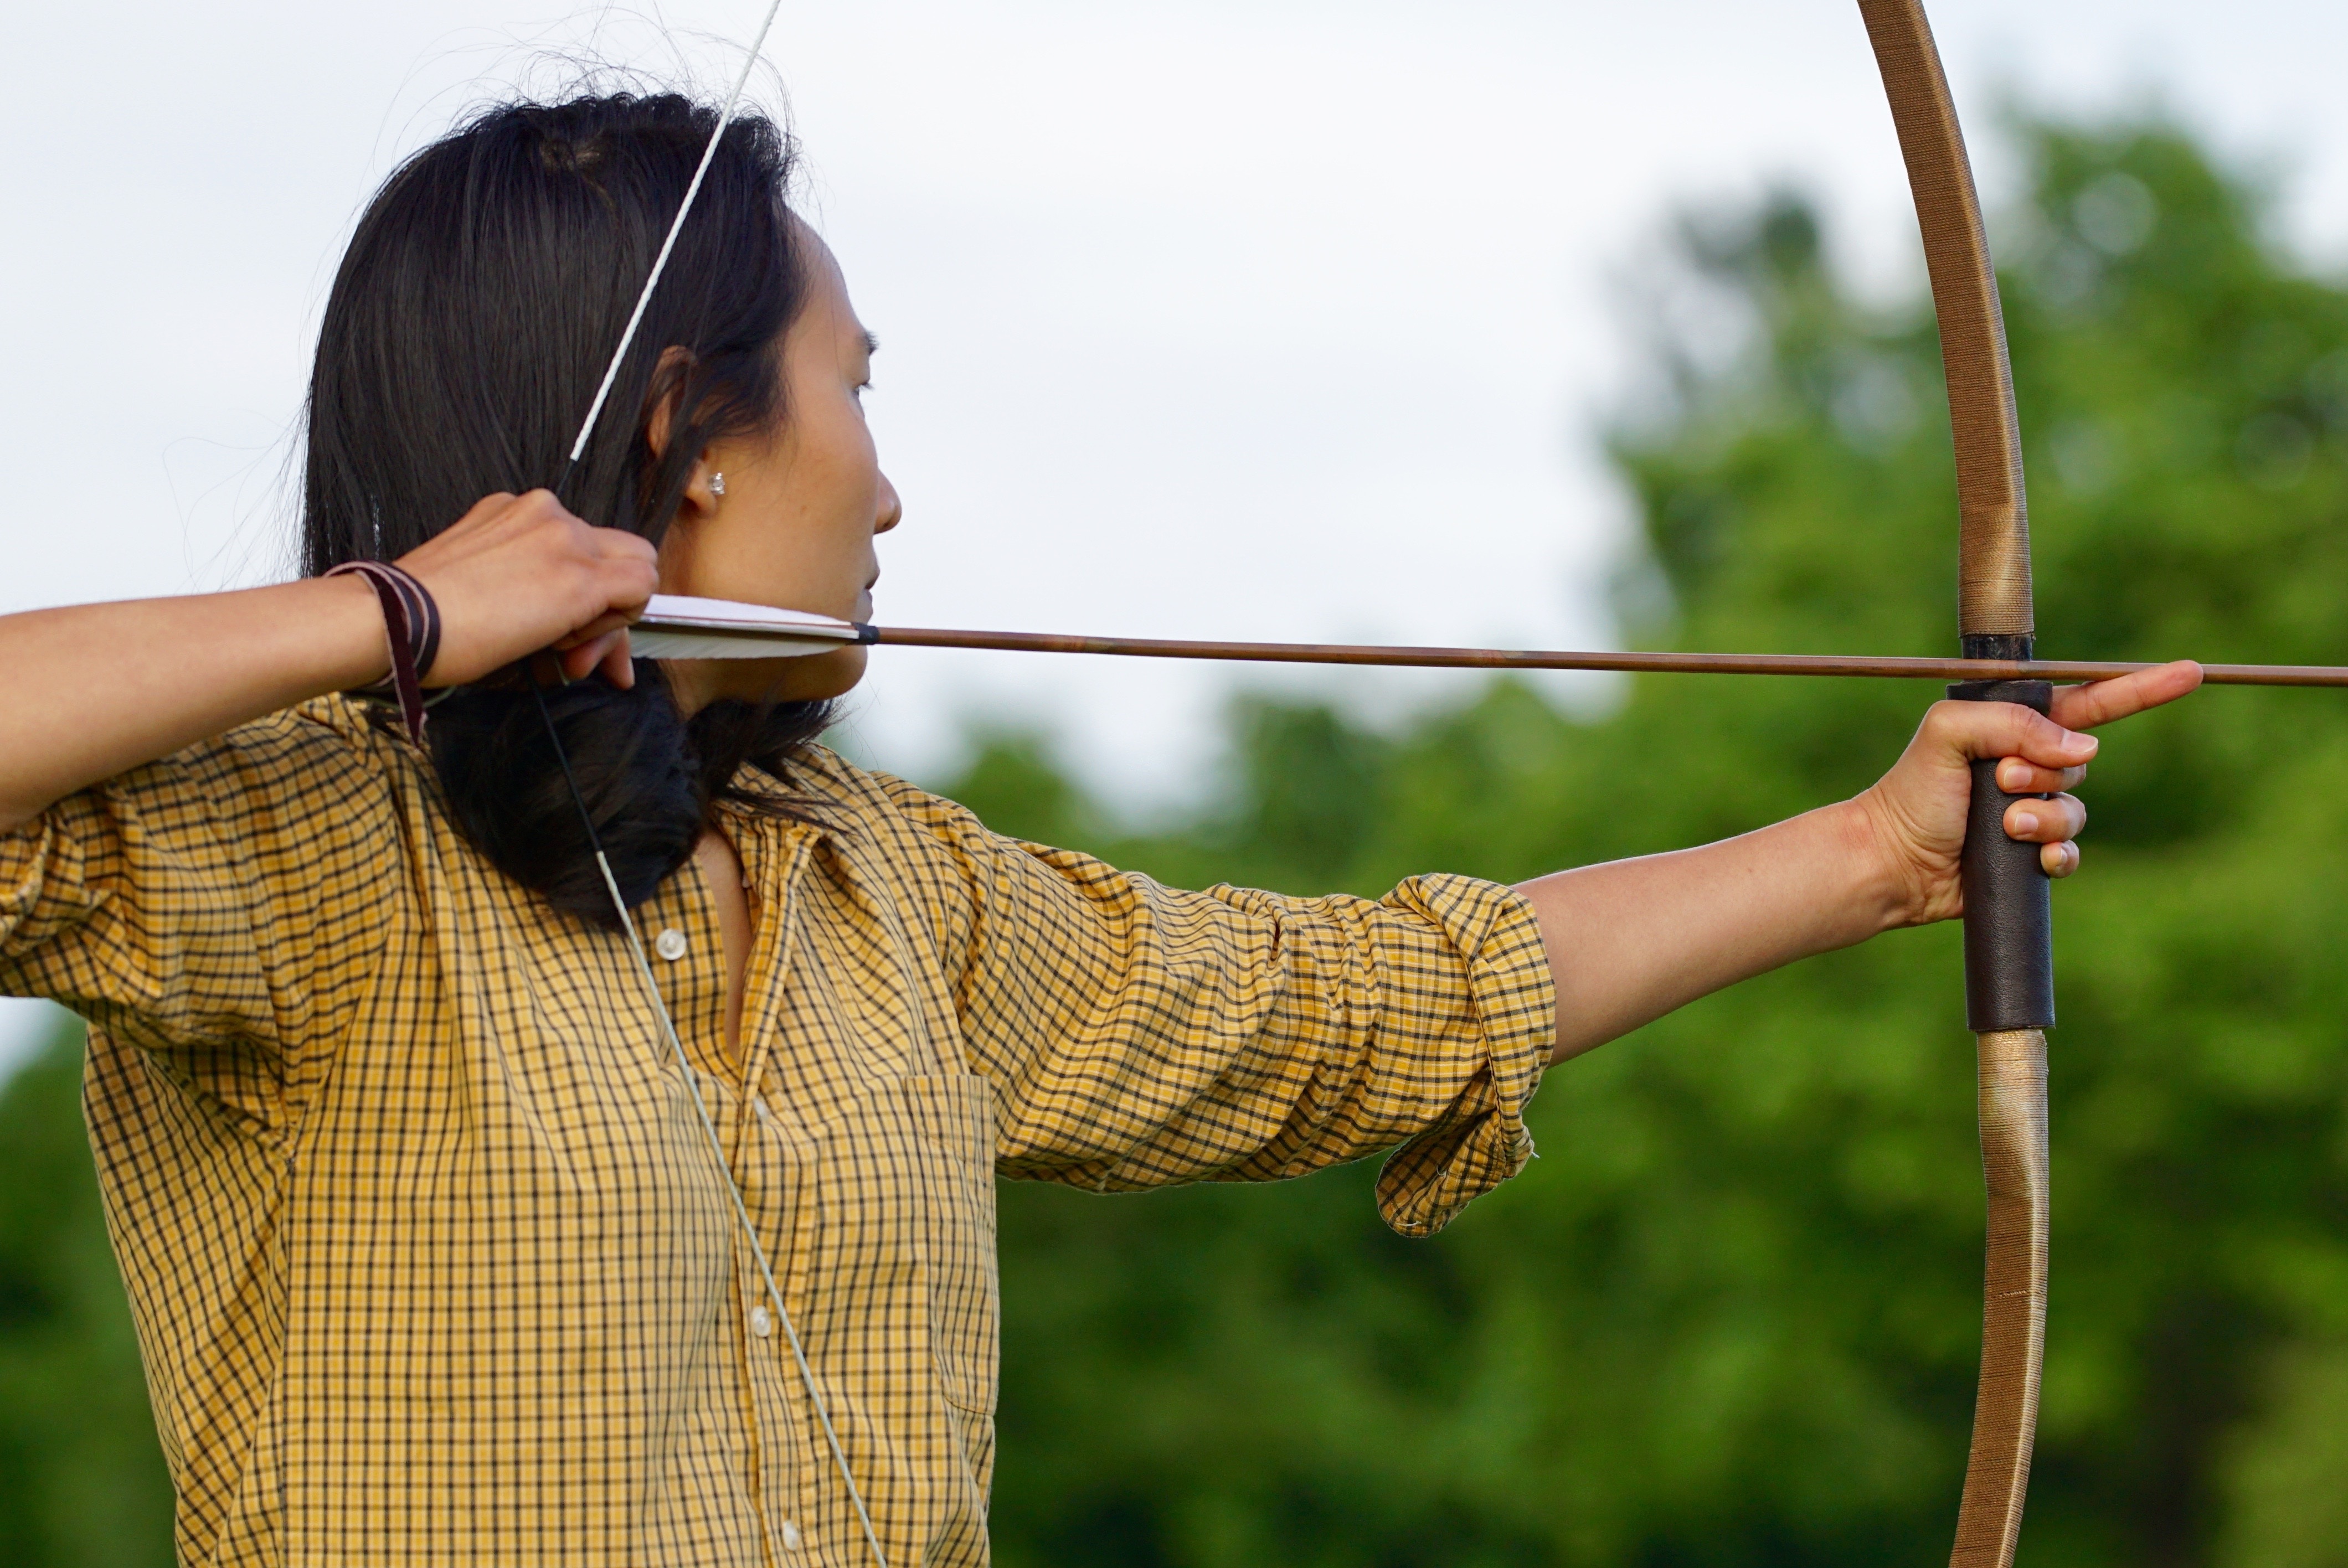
x,y
2009,948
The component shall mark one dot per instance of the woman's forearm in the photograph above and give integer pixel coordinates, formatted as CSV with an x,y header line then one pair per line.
x,y
94,690
1629,940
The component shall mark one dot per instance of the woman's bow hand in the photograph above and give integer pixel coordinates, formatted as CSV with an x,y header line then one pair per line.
x,y
1915,814
519,574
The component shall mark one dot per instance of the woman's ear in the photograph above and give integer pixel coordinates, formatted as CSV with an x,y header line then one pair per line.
x,y
667,393
704,484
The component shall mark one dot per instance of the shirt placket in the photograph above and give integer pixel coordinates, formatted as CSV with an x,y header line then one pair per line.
x,y
764,1155
684,944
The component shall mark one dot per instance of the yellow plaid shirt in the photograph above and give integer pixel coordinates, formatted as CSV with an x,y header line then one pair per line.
x,y
429,1253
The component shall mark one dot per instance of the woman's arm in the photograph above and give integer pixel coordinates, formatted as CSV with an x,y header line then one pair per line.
x,y
94,691
1633,940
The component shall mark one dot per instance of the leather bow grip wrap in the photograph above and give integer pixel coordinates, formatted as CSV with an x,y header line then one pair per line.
x,y
2009,902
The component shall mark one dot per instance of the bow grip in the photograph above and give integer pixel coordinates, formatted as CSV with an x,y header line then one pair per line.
x,y
2009,902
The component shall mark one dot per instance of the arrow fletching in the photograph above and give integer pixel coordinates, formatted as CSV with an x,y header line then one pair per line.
x,y
676,626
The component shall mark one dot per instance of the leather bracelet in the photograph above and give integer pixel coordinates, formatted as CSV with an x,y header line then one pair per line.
x,y
411,623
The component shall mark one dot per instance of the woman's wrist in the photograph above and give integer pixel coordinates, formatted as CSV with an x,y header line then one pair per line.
x,y
411,623
1886,891
347,622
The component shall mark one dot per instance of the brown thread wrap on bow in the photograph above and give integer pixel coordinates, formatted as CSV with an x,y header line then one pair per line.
x,y
411,623
2008,936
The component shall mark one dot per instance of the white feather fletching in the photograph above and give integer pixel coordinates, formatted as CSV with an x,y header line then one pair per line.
x,y
677,626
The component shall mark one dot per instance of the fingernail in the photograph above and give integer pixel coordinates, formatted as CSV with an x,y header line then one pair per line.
x,y
2088,744
2027,823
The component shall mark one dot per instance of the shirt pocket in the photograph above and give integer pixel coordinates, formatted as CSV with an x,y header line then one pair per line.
x,y
953,1117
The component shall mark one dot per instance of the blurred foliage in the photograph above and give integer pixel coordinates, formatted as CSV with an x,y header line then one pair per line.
x,y
1731,1316
81,1479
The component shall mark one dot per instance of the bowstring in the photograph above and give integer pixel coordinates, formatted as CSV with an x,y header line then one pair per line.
x,y
660,260
595,842
708,1126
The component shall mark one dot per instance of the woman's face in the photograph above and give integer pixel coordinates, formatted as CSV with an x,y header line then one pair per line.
x,y
803,504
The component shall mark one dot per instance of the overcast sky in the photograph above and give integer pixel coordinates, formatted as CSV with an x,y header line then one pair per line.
x,y
1279,318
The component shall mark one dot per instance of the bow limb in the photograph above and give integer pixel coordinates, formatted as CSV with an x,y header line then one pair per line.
x,y
2009,966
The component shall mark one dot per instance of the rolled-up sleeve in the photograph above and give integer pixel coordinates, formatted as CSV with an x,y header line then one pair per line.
x,y
1140,1037
221,908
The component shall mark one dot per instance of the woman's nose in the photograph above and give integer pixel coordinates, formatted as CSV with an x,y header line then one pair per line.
x,y
892,510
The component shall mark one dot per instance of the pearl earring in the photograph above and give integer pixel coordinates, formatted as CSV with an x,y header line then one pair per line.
x,y
717,484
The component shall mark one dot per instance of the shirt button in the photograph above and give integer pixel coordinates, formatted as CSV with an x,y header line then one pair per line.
x,y
670,944
790,1536
762,1322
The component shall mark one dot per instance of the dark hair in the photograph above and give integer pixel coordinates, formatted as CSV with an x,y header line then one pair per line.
x,y
473,314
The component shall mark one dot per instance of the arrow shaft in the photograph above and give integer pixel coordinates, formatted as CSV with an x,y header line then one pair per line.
x,y
1547,659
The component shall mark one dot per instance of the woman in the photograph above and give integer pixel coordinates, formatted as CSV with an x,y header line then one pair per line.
x,y
430,1255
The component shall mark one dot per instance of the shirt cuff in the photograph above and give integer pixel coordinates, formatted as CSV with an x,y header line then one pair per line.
x,y
1425,1184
